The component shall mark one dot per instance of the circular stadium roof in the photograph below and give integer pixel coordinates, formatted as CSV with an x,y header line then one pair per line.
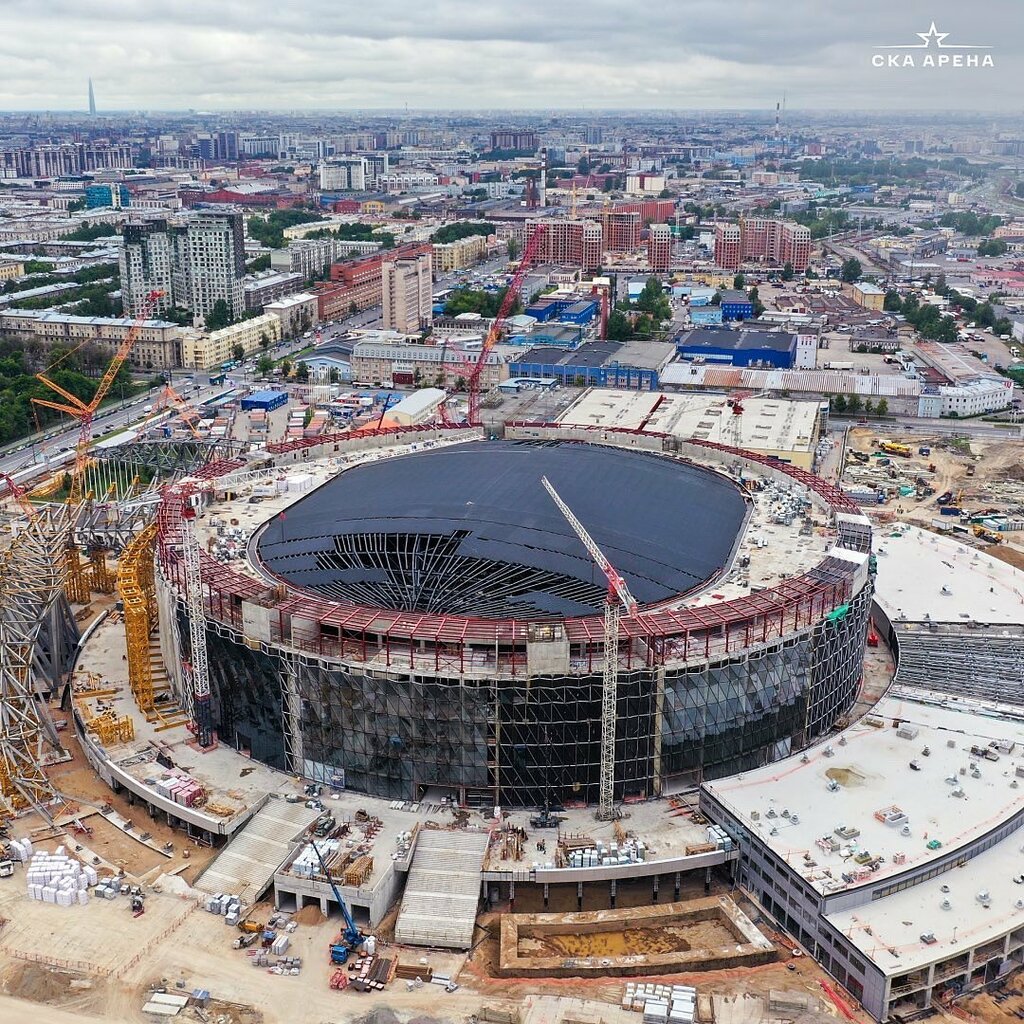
x,y
470,530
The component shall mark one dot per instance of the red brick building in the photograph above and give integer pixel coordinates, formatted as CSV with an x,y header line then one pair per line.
x,y
359,281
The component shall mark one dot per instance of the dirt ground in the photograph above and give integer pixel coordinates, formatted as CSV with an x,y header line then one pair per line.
x,y
997,1007
671,939
997,481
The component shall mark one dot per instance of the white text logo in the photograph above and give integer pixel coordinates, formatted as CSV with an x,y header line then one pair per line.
x,y
933,52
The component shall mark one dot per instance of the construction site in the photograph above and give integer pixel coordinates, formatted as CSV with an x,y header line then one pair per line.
x,y
457,725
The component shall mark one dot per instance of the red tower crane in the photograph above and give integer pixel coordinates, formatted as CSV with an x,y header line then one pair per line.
x,y
511,294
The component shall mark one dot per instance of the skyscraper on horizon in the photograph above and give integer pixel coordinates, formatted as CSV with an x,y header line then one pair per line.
x,y
92,99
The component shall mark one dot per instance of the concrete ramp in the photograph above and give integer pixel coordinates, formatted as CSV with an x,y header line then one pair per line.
x,y
247,864
441,895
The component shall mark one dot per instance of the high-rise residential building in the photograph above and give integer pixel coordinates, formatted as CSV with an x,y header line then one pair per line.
x,y
344,174
758,238
574,242
227,145
147,265
523,140
621,229
659,248
195,262
214,260
727,246
406,293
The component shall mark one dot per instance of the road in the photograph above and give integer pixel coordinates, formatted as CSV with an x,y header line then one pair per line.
x,y
948,428
111,419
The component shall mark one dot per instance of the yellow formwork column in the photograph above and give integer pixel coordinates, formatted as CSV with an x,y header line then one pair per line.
x,y
135,585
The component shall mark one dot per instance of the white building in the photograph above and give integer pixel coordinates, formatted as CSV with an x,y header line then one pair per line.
x,y
343,174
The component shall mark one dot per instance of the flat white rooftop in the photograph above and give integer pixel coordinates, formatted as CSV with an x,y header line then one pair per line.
x,y
766,424
862,781
923,576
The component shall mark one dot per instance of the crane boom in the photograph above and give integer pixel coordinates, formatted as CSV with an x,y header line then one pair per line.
x,y
618,595
83,411
198,674
617,587
511,294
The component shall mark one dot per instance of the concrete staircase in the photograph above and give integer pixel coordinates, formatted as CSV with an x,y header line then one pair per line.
x,y
247,864
443,890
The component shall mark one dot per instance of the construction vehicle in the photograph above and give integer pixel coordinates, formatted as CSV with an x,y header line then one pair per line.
x,y
971,468
924,450
860,456
945,498
245,941
896,448
250,927
351,938
984,533
138,906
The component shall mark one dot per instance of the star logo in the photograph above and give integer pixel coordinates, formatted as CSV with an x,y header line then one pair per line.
x,y
933,35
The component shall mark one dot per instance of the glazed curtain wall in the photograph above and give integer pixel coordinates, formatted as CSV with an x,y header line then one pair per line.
x,y
524,740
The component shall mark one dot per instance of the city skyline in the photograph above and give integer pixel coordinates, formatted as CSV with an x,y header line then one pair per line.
x,y
690,55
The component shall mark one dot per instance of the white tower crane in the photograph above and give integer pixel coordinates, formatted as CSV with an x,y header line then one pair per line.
x,y
197,672
618,594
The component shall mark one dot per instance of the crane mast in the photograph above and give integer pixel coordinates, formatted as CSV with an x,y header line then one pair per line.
x,y
618,596
197,672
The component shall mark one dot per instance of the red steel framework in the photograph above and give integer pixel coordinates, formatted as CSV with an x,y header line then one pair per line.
x,y
458,644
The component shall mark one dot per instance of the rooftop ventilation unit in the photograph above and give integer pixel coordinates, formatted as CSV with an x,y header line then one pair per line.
x,y
946,905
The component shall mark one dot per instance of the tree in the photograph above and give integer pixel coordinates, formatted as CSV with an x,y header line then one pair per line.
x,y
513,248
301,372
286,368
992,247
608,184
264,341
787,272
853,404
892,302
238,352
618,326
716,299
664,194
264,365
333,377
219,316
583,166
644,325
739,281
755,302
839,403
460,384
353,308
851,270
869,408
882,409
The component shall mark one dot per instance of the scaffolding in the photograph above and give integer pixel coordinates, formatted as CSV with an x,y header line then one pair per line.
x,y
76,586
101,579
32,574
135,585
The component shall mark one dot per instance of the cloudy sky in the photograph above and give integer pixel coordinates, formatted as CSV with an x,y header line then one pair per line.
x,y
478,54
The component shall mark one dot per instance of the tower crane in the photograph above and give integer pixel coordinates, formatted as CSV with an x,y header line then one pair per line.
x,y
197,670
83,411
618,597
530,252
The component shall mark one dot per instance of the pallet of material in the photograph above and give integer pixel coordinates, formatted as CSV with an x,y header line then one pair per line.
x,y
705,1008
495,1015
169,999
410,972
695,848
358,871
161,1010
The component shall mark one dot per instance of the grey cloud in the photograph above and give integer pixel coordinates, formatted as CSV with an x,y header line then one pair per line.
x,y
466,54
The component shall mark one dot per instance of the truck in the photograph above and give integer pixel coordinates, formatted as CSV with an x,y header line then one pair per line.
x,y
896,448
984,533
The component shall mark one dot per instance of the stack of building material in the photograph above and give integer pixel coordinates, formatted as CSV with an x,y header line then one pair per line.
x,y
57,878
675,1004
21,850
358,871
412,971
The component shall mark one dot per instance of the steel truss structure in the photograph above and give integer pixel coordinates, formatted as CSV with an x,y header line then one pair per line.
x,y
31,582
172,457
404,699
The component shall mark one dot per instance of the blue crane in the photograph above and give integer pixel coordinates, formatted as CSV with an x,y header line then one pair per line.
x,y
351,938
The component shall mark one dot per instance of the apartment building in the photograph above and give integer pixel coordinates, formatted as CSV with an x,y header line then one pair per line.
x,y
201,351
343,174
578,243
621,229
158,346
310,257
659,248
259,289
457,255
405,293
759,238
297,313
195,261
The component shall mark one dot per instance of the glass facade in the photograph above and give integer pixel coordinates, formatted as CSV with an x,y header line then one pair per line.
x,y
515,741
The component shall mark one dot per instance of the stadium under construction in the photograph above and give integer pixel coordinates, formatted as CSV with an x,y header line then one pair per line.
x,y
407,611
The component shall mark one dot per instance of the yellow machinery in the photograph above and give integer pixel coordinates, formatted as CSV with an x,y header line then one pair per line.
x,y
895,448
984,533
136,588
110,728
